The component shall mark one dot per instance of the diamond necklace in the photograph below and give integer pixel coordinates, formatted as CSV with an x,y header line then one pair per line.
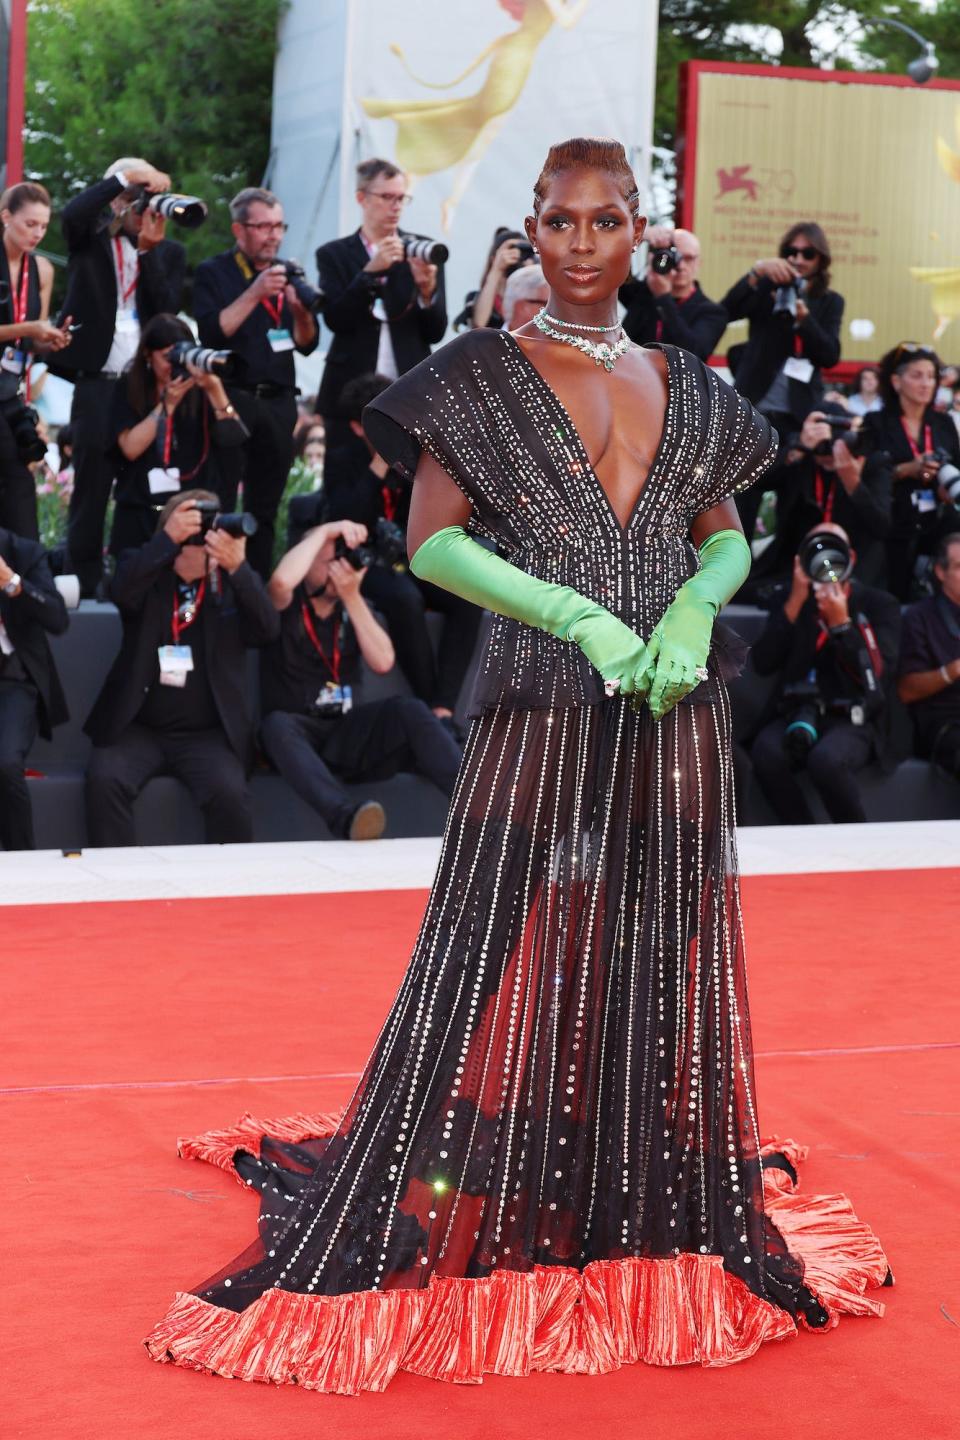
x,y
599,351
575,324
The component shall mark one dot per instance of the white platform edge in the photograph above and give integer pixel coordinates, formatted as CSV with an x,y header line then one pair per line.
x,y
46,877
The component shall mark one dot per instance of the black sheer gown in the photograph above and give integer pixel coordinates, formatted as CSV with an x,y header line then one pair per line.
x,y
553,1160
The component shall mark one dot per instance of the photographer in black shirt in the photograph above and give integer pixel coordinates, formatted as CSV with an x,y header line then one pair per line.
x,y
667,303
243,301
171,431
312,732
929,681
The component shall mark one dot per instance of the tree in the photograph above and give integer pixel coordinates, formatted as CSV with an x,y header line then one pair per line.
x,y
187,84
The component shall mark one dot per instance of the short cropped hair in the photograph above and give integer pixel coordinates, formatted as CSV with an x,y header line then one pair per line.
x,y
27,192
357,394
523,284
368,170
252,195
942,553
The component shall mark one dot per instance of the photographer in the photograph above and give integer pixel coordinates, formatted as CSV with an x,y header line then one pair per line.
x,y
827,478
174,702
244,300
833,645
525,294
922,447
795,323
171,430
668,304
31,700
385,308
121,271
483,308
26,283
311,731
929,680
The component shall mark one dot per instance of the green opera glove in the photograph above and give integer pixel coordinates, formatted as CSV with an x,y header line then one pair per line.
x,y
680,643
453,561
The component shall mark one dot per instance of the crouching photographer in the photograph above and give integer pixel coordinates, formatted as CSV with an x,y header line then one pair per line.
x,y
834,643
312,732
174,702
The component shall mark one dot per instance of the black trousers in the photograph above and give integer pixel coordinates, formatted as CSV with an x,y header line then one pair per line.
x,y
18,488
371,742
92,479
201,759
403,601
18,730
945,750
265,461
832,765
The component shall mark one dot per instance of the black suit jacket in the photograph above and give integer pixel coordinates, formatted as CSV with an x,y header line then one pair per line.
x,y
29,617
91,296
143,589
348,312
695,325
771,342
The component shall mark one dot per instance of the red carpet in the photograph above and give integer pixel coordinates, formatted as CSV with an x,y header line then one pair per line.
x,y
128,1025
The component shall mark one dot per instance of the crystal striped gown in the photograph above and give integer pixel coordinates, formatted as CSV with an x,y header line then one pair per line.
x,y
553,1160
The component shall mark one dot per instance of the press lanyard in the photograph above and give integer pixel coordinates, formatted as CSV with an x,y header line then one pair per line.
x,y
825,492
246,270
121,271
168,444
389,502
927,439
19,302
180,625
308,625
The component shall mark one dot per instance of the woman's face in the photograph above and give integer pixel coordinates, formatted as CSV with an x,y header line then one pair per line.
x,y
313,453
868,384
159,361
586,234
916,382
799,252
27,226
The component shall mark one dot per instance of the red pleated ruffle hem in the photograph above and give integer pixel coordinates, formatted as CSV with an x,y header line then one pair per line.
x,y
680,1311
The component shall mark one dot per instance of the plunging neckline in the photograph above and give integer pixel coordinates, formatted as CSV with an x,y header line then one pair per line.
x,y
578,438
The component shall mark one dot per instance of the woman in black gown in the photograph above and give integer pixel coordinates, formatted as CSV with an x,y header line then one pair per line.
x,y
553,1160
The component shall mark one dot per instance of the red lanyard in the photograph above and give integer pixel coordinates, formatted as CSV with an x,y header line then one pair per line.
x,y
927,439
389,501
246,270
19,302
180,625
825,492
334,665
274,314
168,427
125,294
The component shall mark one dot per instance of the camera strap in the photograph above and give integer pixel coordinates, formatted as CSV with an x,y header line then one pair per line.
x,y
825,494
275,311
190,611
333,665
168,429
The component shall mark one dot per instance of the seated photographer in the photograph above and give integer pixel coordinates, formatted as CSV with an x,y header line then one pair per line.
x,y
929,680
173,429
312,732
384,304
26,284
923,449
121,271
174,702
667,303
825,477
360,486
247,300
483,308
795,323
525,294
833,644
31,700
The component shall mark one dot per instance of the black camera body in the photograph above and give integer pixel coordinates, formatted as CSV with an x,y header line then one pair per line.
x,y
23,421
843,429
948,476
786,296
665,259
237,524
310,298
388,547
525,251
806,709
187,211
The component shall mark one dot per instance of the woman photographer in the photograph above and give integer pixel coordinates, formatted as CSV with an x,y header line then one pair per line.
x,y
865,397
919,440
794,333
26,283
483,308
168,430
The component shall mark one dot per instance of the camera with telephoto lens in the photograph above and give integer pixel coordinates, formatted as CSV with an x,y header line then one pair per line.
x,y
388,547
185,210
786,296
826,557
23,421
418,247
948,476
805,709
665,259
844,429
310,298
182,353
239,525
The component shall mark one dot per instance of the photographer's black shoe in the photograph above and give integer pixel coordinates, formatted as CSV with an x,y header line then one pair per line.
x,y
367,822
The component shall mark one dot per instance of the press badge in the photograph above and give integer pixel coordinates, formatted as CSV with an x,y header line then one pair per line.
x,y
924,501
12,360
334,699
176,661
279,341
796,368
162,481
127,323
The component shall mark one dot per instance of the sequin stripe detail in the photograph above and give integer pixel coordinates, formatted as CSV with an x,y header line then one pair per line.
x,y
218,1147
680,1311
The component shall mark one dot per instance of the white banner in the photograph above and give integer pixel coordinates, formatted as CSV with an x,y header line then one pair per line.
x,y
467,96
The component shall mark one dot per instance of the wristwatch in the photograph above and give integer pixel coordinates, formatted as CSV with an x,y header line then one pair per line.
x,y
13,585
